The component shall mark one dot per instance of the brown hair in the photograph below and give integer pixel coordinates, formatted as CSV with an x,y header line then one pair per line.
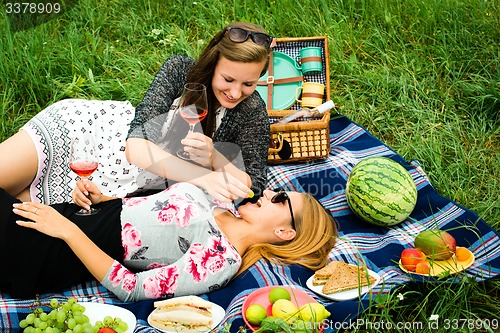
x,y
316,231
222,46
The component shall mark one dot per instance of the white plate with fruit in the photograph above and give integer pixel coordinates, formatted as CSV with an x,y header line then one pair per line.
x,y
435,254
98,312
80,316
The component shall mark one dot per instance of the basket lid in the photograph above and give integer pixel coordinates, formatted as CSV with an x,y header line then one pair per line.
x,y
279,85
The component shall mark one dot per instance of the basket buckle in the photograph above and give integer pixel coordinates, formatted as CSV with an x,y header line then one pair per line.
x,y
270,80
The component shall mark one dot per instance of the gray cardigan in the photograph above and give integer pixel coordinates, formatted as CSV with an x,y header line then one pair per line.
x,y
246,125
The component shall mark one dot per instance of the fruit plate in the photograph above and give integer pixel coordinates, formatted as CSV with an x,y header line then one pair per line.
x,y
218,314
449,266
97,312
346,294
260,296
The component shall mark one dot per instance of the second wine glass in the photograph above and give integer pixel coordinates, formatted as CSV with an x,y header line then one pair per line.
x,y
193,108
83,161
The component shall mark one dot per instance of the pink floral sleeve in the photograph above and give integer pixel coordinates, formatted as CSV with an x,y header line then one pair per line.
x,y
201,269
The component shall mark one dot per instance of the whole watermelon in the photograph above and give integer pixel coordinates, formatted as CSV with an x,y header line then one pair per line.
x,y
380,191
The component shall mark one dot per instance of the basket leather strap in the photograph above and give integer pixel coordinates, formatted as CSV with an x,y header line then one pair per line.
x,y
271,85
312,95
281,81
310,59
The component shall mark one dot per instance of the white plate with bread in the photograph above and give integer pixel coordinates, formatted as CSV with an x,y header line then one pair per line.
x,y
340,281
187,314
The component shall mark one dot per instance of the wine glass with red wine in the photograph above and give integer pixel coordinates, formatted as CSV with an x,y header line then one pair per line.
x,y
83,162
193,108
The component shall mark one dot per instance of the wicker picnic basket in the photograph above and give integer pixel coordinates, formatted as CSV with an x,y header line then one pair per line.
x,y
300,140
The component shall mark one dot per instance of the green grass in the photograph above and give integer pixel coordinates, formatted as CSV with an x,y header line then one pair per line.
x,y
423,76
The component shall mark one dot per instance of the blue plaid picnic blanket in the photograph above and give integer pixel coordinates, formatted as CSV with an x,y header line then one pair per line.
x,y
377,247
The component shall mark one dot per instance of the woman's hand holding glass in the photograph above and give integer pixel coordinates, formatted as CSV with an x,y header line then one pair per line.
x,y
193,108
200,148
83,162
86,193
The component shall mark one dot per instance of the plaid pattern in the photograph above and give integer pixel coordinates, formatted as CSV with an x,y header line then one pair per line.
x,y
14,310
378,247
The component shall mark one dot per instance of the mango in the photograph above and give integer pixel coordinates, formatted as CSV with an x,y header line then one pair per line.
x,y
436,244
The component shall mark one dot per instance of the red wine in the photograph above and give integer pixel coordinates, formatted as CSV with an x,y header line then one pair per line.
x,y
83,168
192,117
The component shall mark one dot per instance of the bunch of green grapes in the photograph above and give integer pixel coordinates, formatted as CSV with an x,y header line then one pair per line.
x,y
66,317
115,323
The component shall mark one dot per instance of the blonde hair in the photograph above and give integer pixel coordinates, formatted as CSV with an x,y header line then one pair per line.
x,y
316,231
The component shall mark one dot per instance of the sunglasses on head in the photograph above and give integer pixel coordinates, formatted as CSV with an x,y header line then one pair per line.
x,y
240,35
280,197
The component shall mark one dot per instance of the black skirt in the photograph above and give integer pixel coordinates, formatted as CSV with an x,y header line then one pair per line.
x,y
35,263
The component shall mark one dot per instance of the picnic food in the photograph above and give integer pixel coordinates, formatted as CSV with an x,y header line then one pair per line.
x,y
436,244
255,314
278,293
106,330
410,257
422,268
313,312
285,309
183,314
68,316
322,275
381,191
342,277
462,253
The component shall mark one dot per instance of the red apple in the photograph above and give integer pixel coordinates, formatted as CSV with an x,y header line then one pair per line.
x,y
410,257
106,330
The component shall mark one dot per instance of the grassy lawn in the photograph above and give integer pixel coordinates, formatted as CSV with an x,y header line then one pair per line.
x,y
421,75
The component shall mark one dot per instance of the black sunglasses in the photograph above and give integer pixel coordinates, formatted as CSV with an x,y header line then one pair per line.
x,y
280,197
240,35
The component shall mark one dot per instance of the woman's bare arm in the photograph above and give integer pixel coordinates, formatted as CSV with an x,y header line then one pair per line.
x,y
47,220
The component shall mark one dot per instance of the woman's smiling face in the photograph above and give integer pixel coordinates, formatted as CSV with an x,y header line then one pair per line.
x,y
234,81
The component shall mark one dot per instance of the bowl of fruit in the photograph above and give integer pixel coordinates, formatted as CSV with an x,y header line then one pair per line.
x,y
283,308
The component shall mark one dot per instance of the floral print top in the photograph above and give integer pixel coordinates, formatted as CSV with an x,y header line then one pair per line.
x,y
173,246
